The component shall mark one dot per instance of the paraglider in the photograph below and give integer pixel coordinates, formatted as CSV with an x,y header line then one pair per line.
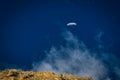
x,y
72,24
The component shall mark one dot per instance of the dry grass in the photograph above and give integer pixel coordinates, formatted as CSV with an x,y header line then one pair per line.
x,y
14,74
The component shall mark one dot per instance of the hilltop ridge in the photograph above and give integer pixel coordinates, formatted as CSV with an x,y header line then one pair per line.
x,y
14,74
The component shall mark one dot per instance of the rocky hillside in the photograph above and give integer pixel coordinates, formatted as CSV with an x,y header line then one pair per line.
x,y
13,74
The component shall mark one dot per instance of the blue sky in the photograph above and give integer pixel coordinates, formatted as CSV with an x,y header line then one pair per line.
x,y
28,28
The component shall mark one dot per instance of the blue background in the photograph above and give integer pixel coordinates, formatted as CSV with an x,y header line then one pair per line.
x,y
30,27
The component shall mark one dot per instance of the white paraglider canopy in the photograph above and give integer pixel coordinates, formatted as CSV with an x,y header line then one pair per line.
x,y
72,24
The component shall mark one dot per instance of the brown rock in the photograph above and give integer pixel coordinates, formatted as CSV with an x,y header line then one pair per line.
x,y
13,74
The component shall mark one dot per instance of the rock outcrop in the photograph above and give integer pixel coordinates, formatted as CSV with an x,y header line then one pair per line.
x,y
13,74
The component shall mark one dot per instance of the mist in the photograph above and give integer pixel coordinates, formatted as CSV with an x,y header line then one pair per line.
x,y
75,58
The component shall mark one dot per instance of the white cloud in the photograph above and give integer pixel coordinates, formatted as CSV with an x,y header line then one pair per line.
x,y
73,58
117,71
99,36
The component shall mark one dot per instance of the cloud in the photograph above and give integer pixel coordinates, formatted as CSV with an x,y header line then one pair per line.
x,y
117,71
72,58
113,64
98,36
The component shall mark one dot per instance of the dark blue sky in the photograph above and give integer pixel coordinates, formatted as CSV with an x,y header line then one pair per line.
x,y
29,27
